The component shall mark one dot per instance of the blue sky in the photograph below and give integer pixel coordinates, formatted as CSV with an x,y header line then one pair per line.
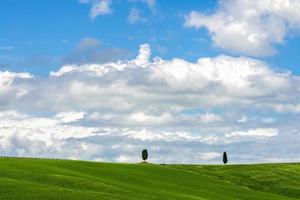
x,y
50,29
103,79
42,33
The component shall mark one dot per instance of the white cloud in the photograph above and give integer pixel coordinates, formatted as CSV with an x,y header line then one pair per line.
x,y
267,120
71,116
168,86
141,118
135,16
63,70
7,80
259,132
292,108
210,118
209,156
126,159
99,7
111,111
243,119
25,135
249,27
7,77
144,55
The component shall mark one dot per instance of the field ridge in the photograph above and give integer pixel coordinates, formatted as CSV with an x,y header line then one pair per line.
x,y
29,178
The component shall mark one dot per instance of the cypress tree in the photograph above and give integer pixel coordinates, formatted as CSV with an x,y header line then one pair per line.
x,y
225,159
145,154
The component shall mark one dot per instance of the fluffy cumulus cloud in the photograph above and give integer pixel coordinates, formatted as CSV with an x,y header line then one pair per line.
x,y
182,112
99,7
249,27
10,86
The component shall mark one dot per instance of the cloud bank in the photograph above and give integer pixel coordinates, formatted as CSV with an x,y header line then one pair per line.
x,y
183,112
249,27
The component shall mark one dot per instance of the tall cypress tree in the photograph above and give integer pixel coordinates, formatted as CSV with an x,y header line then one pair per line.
x,y
145,154
225,159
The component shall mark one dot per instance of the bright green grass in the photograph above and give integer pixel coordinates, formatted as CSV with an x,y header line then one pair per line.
x,y
62,179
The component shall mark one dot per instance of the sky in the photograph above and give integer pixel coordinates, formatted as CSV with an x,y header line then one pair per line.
x,y
104,79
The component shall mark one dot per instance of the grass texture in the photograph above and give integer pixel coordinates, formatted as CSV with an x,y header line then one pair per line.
x,y
25,178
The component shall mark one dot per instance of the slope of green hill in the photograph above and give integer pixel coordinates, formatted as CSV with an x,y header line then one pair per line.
x,y
62,179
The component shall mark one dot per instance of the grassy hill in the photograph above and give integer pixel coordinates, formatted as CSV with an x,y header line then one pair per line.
x,y
62,179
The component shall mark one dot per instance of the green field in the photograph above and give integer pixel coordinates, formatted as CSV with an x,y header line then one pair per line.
x,y
62,179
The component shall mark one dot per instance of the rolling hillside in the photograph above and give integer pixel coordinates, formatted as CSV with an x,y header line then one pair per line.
x,y
62,179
